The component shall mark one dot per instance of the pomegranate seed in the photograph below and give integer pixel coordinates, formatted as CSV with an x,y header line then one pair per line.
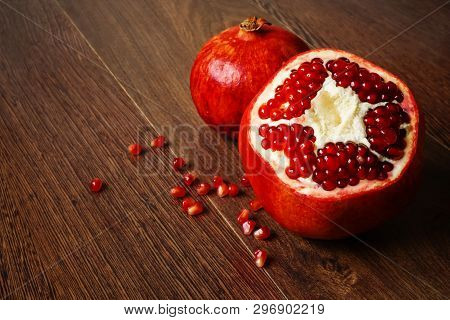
x,y
196,208
248,226
222,190
244,181
353,181
178,163
255,205
189,179
96,185
260,257
217,181
178,192
329,185
187,203
135,149
158,142
243,216
262,233
203,188
292,173
233,190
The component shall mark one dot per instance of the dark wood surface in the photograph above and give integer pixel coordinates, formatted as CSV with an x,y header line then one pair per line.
x,y
80,80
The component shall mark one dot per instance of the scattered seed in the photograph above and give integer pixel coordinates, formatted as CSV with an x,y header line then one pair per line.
x,y
135,149
96,185
178,192
260,257
248,226
262,233
203,188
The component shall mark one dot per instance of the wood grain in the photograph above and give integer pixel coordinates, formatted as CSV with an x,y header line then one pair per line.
x,y
63,121
117,70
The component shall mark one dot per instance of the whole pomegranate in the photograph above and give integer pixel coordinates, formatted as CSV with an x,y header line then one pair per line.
x,y
234,65
331,144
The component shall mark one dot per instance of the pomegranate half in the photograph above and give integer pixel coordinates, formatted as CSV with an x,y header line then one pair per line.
x,y
331,144
234,65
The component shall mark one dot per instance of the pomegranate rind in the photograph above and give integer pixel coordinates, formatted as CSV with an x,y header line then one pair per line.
x,y
232,67
338,214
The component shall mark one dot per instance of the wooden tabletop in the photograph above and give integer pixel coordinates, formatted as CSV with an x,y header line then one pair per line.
x,y
81,80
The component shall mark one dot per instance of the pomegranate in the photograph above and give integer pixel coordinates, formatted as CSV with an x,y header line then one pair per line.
x,y
331,145
234,65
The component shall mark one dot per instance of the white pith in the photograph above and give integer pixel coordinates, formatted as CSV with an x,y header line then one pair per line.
x,y
336,115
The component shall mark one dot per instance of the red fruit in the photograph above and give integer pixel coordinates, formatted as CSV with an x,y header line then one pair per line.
x,y
234,65
222,190
255,205
189,179
96,185
262,233
217,181
233,190
135,149
203,188
243,216
158,142
178,163
195,209
260,257
178,192
248,226
187,203
244,181
339,169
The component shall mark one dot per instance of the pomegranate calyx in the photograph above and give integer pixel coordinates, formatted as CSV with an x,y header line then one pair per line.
x,y
253,24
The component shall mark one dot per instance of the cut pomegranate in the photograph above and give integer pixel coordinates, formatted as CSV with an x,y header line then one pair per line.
x,y
262,233
260,257
187,203
135,149
178,192
332,139
178,163
248,226
245,182
222,190
188,179
243,216
203,188
233,190
96,185
196,208
255,205
217,181
158,142
234,65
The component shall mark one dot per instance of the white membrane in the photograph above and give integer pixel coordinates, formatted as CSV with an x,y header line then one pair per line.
x,y
336,115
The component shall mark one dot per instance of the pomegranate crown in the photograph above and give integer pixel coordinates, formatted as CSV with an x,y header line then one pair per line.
x,y
253,24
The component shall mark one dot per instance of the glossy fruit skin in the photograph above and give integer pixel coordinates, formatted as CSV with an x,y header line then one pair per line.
x,y
233,66
331,218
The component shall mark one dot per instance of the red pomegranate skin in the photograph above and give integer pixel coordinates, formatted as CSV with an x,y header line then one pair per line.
x,y
329,218
233,66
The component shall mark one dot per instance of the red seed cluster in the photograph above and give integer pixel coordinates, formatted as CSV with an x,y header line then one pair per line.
x,y
296,141
294,96
369,86
339,165
383,130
